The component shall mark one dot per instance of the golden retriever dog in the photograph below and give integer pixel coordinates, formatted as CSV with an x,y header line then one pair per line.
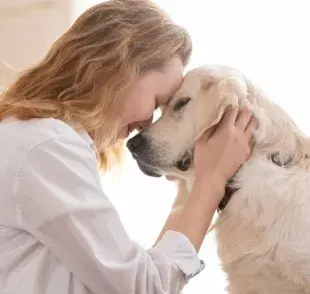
x,y
263,230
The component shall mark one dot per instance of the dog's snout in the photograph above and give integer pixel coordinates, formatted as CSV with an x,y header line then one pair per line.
x,y
136,144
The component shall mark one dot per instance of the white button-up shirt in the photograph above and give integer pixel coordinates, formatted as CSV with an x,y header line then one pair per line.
x,y
60,234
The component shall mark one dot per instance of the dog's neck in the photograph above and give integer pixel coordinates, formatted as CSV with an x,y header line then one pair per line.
x,y
277,133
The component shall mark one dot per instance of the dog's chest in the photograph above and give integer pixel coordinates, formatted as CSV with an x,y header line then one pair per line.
x,y
261,233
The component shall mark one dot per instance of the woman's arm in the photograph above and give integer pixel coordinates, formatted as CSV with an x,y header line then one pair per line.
x,y
60,201
194,219
184,205
177,207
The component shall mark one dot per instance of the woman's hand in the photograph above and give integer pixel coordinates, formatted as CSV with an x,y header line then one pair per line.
x,y
219,153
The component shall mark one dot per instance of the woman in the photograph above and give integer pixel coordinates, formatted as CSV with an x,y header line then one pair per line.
x,y
68,115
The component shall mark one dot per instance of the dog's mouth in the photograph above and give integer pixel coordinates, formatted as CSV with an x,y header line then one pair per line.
x,y
183,165
148,170
229,192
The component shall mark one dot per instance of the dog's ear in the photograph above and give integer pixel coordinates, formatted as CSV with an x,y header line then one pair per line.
x,y
221,94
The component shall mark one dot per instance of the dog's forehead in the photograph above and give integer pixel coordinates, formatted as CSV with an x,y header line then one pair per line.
x,y
216,72
191,83
198,78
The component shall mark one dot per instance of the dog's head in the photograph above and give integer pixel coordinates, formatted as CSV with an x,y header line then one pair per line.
x,y
281,150
166,147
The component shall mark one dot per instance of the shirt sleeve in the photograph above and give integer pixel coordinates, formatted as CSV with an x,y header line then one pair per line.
x,y
62,204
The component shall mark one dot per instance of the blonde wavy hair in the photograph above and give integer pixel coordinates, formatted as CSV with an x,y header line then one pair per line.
x,y
87,71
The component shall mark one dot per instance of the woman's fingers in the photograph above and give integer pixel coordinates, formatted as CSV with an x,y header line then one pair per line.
x,y
252,125
208,133
230,116
243,119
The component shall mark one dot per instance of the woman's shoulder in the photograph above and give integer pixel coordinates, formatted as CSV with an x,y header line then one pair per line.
x,y
36,140
36,131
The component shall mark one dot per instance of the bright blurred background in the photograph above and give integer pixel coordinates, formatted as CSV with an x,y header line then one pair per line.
x,y
267,39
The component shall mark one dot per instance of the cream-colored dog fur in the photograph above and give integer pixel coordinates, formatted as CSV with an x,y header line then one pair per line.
x,y
264,232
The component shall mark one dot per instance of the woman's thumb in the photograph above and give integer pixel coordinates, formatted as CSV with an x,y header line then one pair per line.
x,y
207,134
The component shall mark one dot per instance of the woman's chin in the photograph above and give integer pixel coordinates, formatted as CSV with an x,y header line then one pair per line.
x,y
124,133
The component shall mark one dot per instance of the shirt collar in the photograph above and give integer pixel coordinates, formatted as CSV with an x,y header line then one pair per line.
x,y
85,136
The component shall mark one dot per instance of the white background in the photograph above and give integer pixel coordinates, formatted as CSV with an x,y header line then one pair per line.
x,y
269,41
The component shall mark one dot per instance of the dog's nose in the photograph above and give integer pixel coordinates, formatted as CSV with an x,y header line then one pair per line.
x,y
136,144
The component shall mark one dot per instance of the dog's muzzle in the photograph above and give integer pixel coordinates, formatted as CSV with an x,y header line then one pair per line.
x,y
138,148
148,170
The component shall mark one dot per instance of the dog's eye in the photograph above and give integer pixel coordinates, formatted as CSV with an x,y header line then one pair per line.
x,y
277,160
181,103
